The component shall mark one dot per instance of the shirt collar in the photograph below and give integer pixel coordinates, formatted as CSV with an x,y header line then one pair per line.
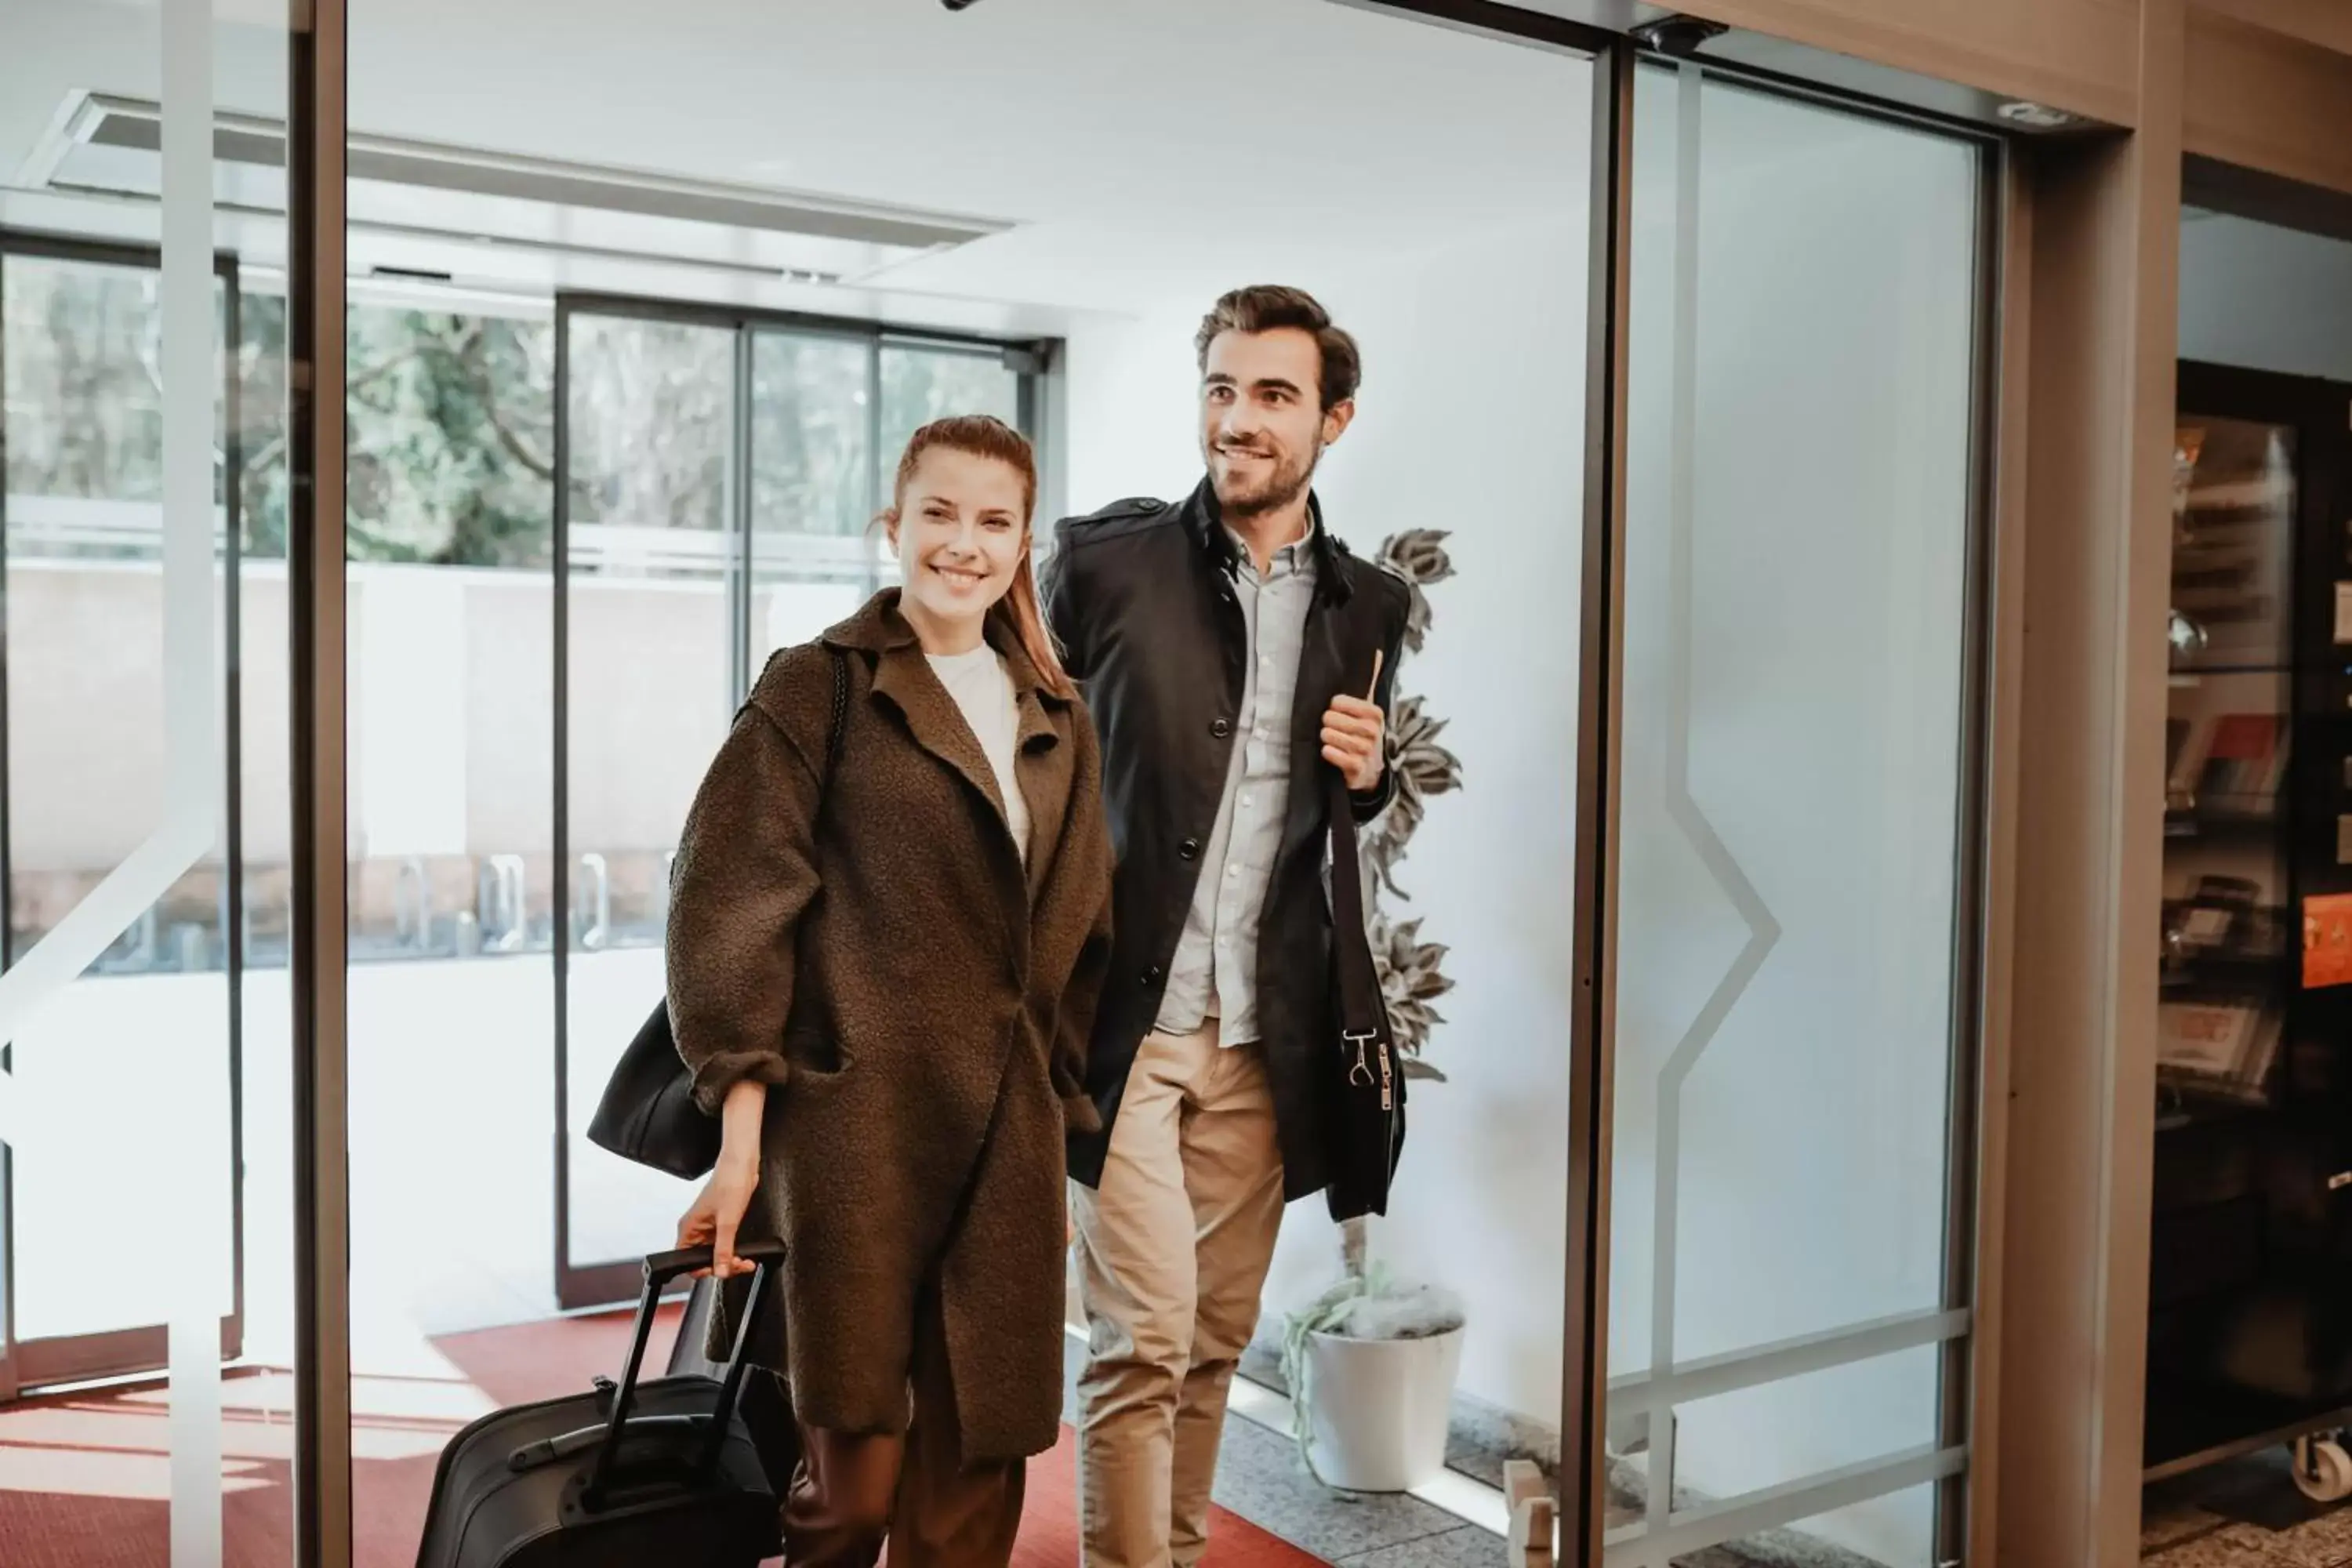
x,y
1298,556
1331,563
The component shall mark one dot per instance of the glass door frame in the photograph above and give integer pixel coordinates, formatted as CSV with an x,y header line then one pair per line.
x,y
1582,1493
31,1364
610,1283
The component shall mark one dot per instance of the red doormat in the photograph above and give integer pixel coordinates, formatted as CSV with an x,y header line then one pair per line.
x,y
85,1480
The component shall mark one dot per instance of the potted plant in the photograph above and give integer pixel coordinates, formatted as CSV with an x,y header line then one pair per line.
x,y
1371,1365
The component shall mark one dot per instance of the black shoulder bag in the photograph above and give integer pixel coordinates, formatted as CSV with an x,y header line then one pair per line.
x,y
1366,1101
648,1113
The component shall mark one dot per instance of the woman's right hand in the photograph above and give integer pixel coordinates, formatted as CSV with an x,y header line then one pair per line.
x,y
718,1213
718,1208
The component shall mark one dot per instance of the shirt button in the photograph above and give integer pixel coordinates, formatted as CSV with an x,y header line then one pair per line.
x,y
1222,728
1246,800
1233,873
1189,848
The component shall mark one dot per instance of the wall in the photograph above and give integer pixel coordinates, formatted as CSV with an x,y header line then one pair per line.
x,y
2091,535
2263,99
2316,21
452,676
2265,298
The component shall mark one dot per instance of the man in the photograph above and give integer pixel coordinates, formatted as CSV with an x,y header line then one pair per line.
x,y
1233,652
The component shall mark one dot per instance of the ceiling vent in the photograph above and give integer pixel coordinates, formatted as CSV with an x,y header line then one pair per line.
x,y
105,147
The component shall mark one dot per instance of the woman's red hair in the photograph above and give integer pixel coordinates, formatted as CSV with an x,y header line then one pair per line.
x,y
983,435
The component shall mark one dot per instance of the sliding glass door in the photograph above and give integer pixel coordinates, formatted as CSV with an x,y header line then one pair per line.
x,y
718,473
90,712
1792,826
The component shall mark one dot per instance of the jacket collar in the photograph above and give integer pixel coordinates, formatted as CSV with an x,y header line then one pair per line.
x,y
1204,520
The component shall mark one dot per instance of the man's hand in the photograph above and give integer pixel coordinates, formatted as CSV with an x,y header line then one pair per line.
x,y
1355,737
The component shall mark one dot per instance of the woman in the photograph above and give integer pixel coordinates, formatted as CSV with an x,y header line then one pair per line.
x,y
885,944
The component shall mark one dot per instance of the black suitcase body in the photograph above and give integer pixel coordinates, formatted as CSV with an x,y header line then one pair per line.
x,y
766,1402
661,1472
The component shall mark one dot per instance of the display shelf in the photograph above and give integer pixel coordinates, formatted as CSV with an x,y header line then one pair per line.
x,y
2228,973
2183,1105
2189,1426
2250,1247
2205,823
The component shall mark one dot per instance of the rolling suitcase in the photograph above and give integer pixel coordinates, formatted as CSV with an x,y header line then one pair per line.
x,y
662,1471
766,1402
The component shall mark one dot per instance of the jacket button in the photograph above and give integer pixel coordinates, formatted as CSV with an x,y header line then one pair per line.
x,y
1152,976
1190,849
1222,728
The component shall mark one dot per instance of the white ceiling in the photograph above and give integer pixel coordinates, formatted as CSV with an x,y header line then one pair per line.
x,y
1140,146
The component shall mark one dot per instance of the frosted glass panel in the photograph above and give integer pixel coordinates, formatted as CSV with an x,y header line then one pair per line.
x,y
144,1160
88,632
1796,568
649,624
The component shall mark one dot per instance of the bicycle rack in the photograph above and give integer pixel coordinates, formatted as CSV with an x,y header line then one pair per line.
x,y
412,905
145,938
596,880
499,900
661,890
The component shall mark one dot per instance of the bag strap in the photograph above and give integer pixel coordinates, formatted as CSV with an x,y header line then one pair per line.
x,y
833,739
1362,1019
1358,979
836,726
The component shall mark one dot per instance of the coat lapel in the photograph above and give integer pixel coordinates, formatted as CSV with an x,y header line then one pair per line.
x,y
904,677
1042,760
1042,768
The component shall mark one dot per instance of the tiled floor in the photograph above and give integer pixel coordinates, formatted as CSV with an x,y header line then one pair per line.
x,y
1260,1478
2178,1532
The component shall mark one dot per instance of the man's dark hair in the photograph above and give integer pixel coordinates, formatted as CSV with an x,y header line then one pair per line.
x,y
1270,307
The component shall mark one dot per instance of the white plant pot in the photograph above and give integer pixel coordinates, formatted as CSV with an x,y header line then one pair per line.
x,y
1379,1409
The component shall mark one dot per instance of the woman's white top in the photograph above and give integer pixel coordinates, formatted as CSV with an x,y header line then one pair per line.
x,y
983,688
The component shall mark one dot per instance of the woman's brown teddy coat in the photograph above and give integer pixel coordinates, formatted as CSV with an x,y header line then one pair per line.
x,y
918,1004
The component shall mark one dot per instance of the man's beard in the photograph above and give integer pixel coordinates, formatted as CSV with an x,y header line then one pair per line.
x,y
1284,483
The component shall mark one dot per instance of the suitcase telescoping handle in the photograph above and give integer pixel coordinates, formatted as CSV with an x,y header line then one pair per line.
x,y
661,1269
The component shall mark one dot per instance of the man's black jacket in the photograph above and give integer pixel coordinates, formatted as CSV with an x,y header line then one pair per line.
x,y
1140,596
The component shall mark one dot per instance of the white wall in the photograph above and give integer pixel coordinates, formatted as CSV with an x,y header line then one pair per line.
x,y
2265,298
1470,420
